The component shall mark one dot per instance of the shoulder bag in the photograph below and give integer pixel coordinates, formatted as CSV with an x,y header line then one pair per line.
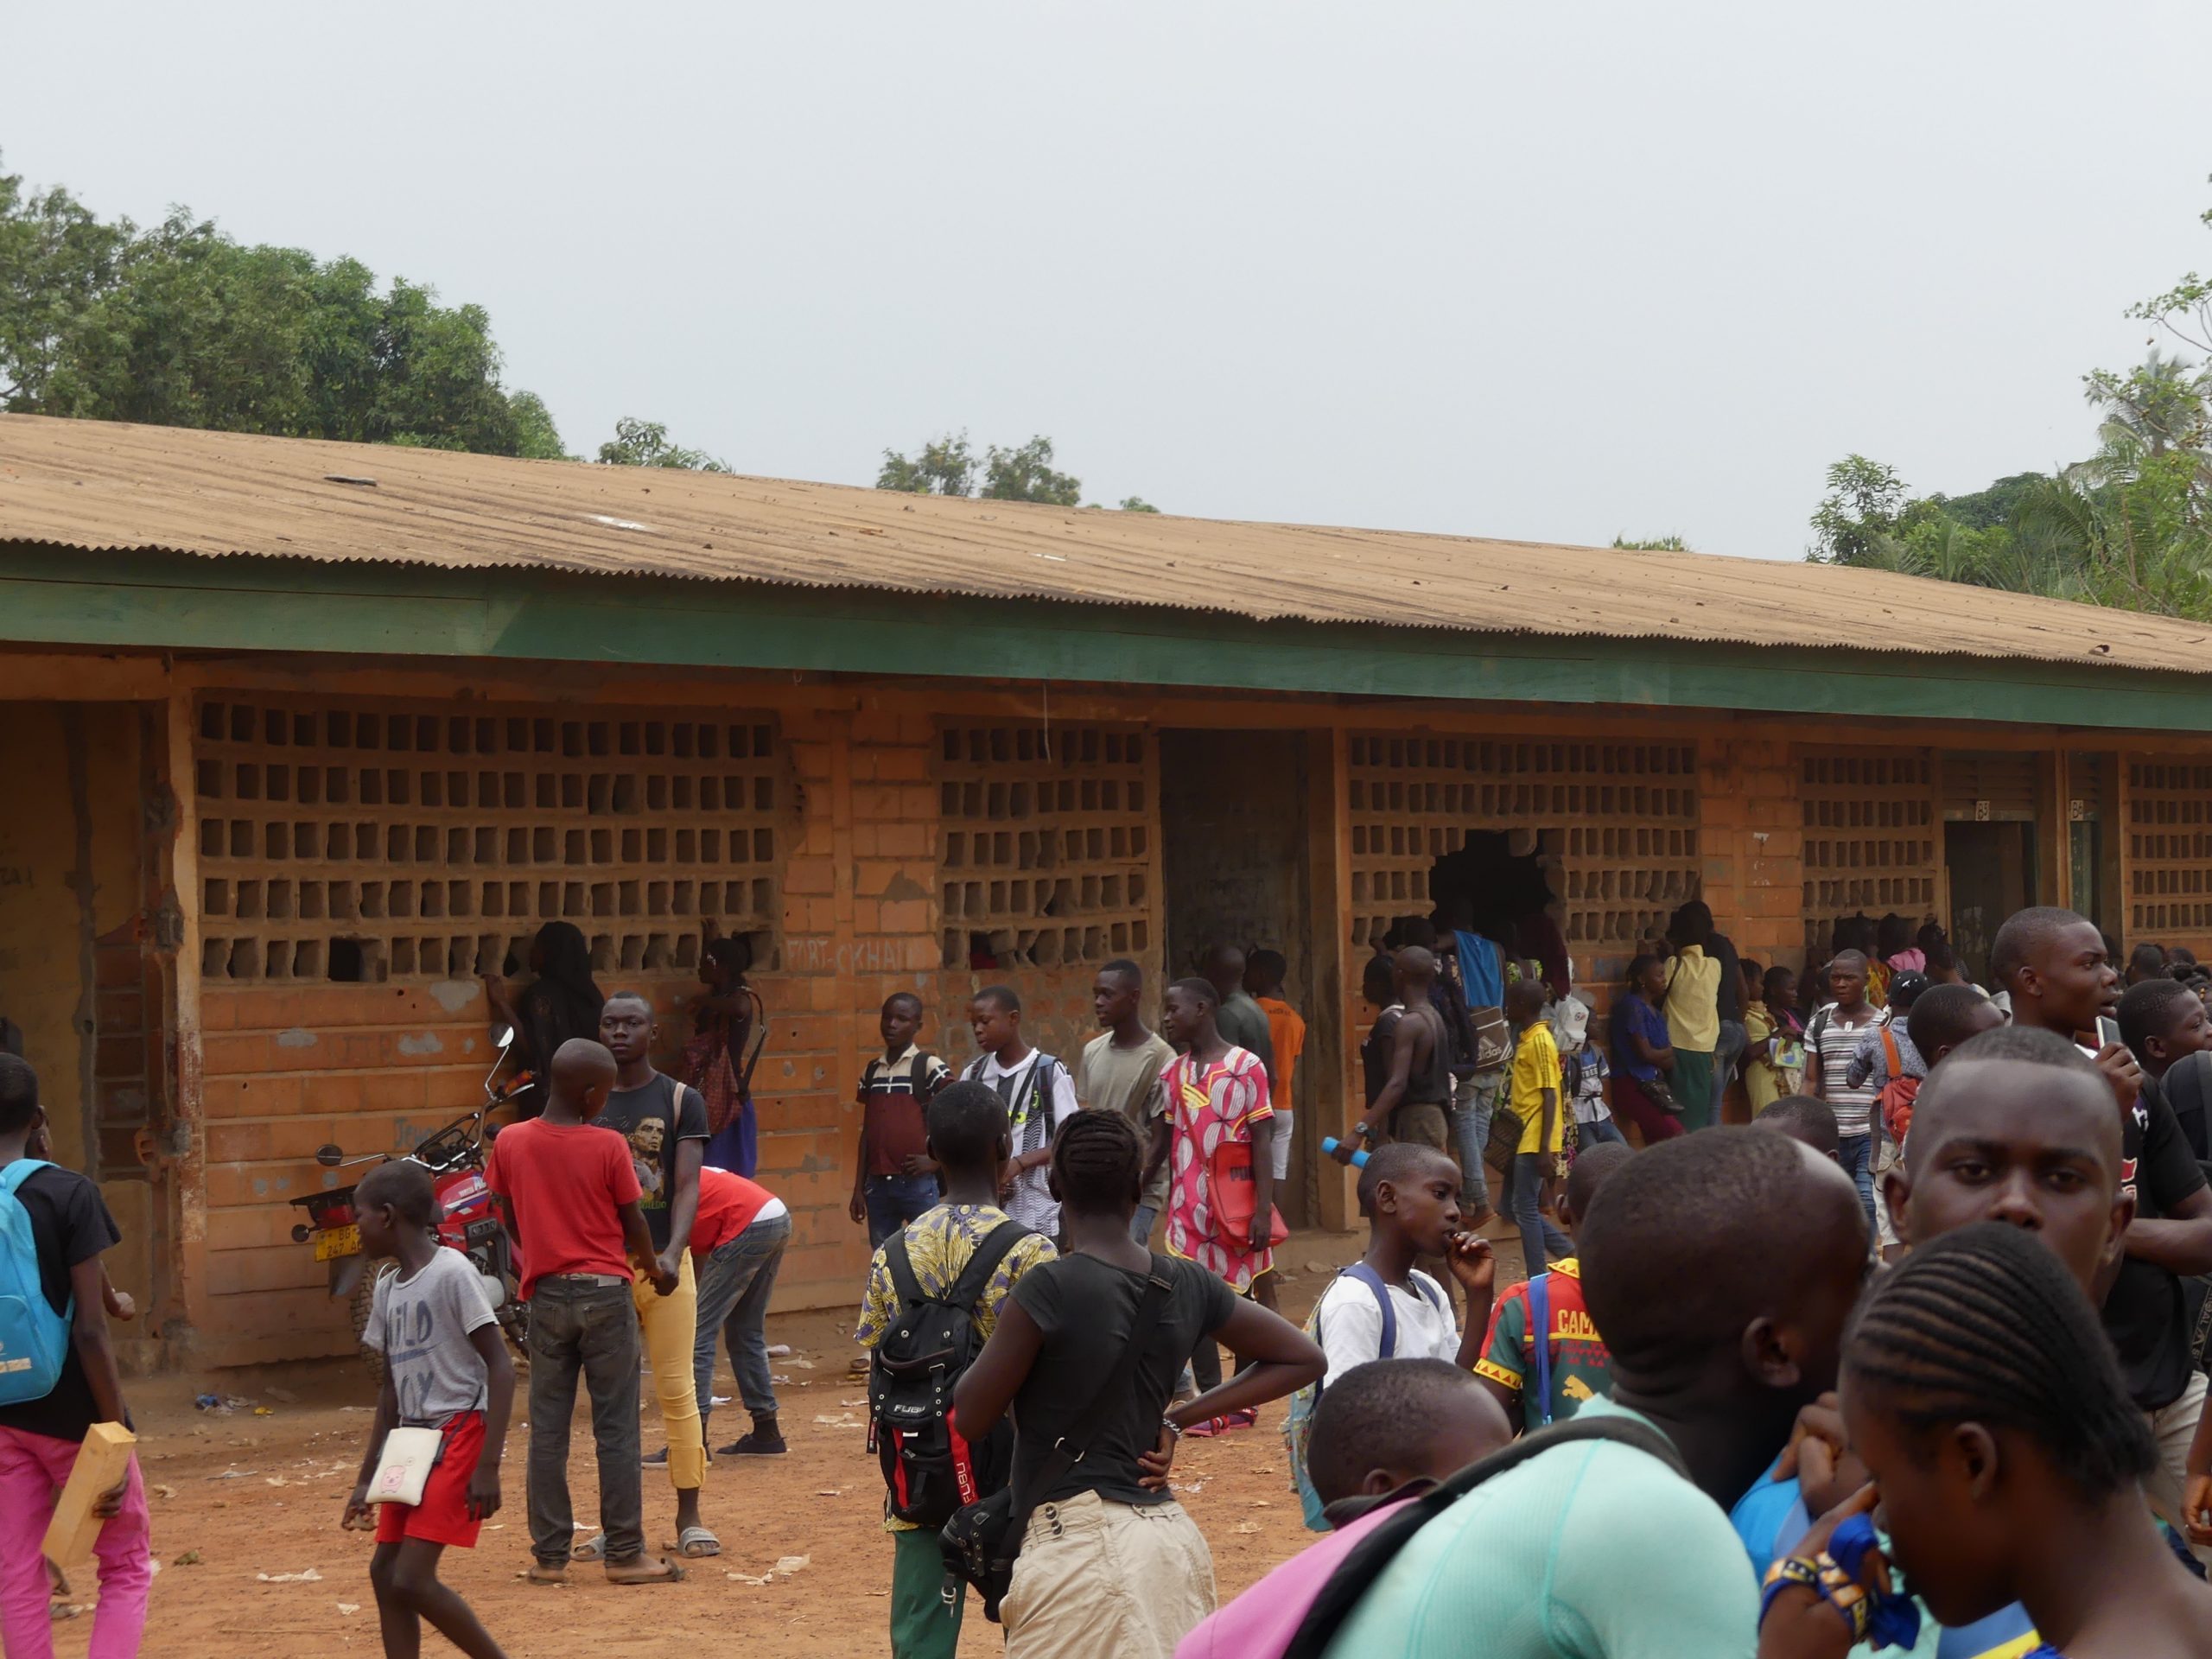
x,y
982,1539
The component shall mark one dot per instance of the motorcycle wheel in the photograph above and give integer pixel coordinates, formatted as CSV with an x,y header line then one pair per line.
x,y
365,1294
514,1325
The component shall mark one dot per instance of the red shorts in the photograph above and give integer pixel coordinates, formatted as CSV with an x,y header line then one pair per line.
x,y
442,1516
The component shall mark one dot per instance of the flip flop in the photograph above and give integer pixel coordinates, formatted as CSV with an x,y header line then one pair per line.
x,y
547,1573
695,1544
593,1548
645,1570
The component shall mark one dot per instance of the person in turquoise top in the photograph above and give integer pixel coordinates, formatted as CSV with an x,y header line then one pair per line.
x,y
1595,1550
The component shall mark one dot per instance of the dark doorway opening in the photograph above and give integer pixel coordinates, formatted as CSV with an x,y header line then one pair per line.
x,y
1497,885
1991,871
1233,827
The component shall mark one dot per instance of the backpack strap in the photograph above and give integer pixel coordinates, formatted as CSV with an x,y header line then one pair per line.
x,y
1890,1048
895,1257
975,1277
1540,1340
14,1174
1069,1449
1357,1573
1373,1281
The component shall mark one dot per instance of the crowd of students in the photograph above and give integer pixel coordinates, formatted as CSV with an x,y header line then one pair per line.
x,y
1956,1265
1915,1360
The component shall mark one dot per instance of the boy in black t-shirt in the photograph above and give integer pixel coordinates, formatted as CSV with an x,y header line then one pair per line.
x,y
1056,1343
40,1437
666,1123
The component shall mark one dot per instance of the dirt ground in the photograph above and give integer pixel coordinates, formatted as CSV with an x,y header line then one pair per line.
x,y
239,1496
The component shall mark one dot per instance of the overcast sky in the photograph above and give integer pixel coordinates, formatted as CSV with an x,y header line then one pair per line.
x,y
1546,271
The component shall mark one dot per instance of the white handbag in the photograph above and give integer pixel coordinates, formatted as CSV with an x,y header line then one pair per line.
x,y
404,1468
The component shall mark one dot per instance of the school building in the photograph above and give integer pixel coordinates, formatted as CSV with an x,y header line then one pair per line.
x,y
299,740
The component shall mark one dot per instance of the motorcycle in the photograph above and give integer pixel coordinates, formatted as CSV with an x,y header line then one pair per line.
x,y
466,1219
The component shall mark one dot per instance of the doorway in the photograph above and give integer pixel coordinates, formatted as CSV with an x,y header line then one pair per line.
x,y
1991,869
1233,810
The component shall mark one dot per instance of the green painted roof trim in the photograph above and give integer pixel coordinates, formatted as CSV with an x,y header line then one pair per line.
x,y
51,596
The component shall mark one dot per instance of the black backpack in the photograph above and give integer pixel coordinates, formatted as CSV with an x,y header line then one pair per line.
x,y
930,1472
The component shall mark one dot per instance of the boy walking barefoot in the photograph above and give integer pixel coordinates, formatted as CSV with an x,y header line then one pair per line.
x,y
569,1198
40,1435
894,1181
446,1367
663,1124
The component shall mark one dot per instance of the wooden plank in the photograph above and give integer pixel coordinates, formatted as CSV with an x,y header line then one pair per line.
x,y
102,1461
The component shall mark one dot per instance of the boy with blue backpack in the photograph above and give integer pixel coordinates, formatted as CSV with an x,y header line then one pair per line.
x,y
58,1377
1545,1377
1383,1308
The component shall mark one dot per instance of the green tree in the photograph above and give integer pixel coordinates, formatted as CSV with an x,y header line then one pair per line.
x,y
1026,474
1865,503
1652,544
645,443
180,325
946,465
1137,504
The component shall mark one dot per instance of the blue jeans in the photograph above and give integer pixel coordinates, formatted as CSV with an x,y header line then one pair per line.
x,y
735,1282
1598,1133
1473,1101
1726,1051
1856,1153
1141,1224
894,1200
1537,1233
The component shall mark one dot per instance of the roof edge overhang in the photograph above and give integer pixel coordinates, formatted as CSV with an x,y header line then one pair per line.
x,y
147,598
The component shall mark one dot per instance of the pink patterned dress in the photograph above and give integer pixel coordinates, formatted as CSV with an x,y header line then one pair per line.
x,y
1208,1105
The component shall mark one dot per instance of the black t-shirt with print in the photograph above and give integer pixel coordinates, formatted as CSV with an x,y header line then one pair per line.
x,y
651,1120
1085,1308
2143,1313
71,1223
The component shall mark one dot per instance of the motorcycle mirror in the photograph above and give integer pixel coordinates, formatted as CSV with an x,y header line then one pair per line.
x,y
503,1038
329,1156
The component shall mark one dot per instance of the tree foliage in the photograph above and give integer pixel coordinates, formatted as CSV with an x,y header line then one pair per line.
x,y
645,443
1651,544
950,466
180,325
2130,525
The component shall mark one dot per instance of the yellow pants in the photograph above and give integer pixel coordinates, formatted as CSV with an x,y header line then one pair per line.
x,y
669,1326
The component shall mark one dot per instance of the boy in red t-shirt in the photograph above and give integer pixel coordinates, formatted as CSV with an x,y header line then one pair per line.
x,y
894,1180
570,1196
737,1244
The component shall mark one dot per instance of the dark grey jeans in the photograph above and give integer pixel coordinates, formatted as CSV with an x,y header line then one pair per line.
x,y
735,1282
577,1327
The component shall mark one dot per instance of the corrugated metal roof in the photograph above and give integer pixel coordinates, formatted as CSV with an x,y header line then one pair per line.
x,y
97,484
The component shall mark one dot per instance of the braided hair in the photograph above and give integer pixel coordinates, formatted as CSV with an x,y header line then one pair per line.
x,y
1098,1163
1986,1324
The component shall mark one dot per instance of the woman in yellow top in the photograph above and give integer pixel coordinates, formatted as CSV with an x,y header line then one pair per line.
x,y
1692,1011
1541,1158
1774,1063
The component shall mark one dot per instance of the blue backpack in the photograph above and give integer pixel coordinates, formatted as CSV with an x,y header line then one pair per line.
x,y
34,1338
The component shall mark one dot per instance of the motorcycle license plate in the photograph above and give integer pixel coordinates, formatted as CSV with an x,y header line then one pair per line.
x,y
339,1241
